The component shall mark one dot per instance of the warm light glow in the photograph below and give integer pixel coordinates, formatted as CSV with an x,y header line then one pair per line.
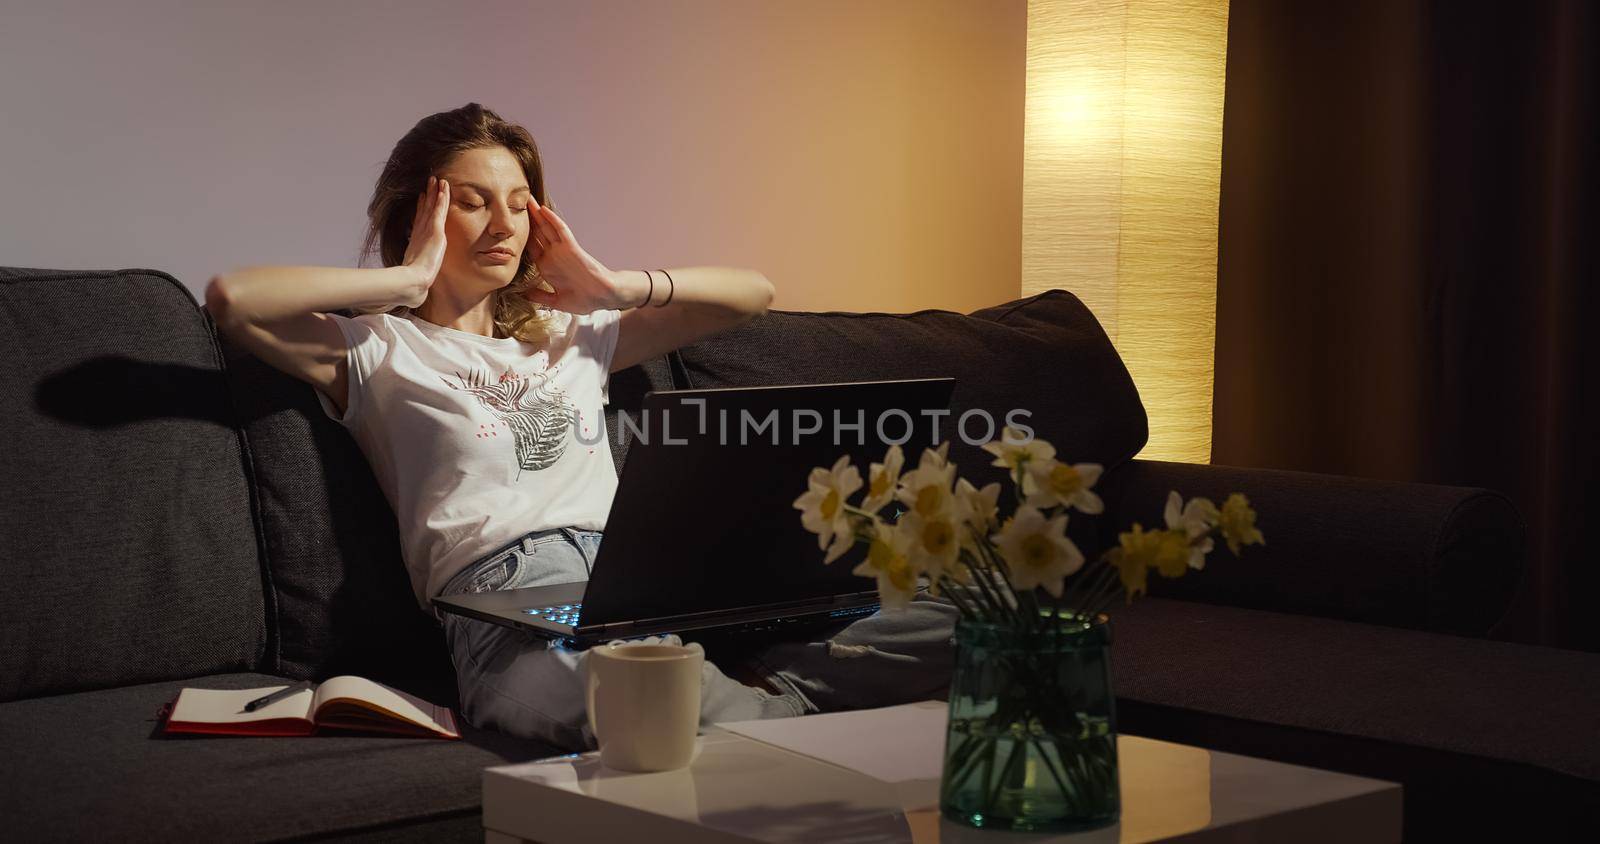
x,y
1121,173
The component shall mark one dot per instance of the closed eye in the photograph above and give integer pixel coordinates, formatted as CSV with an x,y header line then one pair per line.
x,y
477,207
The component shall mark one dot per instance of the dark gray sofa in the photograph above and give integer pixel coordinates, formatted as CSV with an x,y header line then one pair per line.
x,y
176,513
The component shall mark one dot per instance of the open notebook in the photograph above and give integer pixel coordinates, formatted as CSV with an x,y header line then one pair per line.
x,y
340,703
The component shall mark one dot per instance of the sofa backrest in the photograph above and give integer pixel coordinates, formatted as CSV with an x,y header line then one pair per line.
x,y
175,507
128,551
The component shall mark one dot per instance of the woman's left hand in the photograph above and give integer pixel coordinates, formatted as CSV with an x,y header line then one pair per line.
x,y
581,284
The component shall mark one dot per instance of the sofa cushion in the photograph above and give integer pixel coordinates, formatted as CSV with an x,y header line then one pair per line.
x,y
627,391
106,773
127,540
1045,354
341,600
1510,730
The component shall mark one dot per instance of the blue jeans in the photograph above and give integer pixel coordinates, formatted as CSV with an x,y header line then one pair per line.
x,y
525,685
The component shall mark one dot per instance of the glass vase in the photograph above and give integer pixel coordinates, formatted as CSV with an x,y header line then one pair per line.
x,y
1032,740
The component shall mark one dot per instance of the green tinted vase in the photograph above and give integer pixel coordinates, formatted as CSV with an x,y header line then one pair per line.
x,y
1032,740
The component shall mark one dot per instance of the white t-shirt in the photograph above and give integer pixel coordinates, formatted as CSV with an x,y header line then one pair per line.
x,y
478,440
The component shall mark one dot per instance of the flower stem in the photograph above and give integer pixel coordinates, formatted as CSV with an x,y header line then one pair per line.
x,y
1002,608
949,588
982,610
980,597
1091,595
1084,585
1005,773
1067,791
965,761
995,564
1105,602
1105,583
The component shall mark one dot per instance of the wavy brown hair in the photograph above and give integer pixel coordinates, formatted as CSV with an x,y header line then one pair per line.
x,y
424,151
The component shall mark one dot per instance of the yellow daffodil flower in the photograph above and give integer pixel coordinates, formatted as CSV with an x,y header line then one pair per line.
x,y
1134,555
1239,523
1171,548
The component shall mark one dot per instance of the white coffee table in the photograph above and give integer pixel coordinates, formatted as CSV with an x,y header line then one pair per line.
x,y
739,789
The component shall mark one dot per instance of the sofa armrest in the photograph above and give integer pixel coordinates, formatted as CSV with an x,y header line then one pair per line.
x,y
1421,556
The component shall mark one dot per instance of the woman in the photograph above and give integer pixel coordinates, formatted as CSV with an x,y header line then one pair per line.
x,y
474,382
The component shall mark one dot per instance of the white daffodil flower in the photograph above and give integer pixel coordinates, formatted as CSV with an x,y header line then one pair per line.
x,y
933,543
1048,483
1012,449
822,509
888,562
927,489
842,540
1038,551
1198,552
1195,519
982,505
882,478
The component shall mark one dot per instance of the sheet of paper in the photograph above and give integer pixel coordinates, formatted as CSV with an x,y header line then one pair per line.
x,y
409,707
226,706
894,744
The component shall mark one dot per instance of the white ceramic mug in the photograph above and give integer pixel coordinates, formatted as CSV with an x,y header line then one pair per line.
x,y
644,704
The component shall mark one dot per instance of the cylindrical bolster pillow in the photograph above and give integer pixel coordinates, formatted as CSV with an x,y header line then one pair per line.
x,y
1422,556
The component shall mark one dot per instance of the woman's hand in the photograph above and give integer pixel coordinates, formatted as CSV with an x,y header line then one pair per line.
x,y
425,252
579,283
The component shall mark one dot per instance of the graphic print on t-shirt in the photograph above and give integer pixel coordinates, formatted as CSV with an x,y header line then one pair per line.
x,y
539,414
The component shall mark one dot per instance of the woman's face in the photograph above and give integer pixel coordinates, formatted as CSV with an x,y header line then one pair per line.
x,y
489,200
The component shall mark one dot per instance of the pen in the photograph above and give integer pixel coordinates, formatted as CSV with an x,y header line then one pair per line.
x,y
275,696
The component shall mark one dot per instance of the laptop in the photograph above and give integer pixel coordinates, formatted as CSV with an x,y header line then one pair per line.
x,y
703,534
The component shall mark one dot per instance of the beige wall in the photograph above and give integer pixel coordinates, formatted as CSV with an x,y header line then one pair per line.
x,y
864,155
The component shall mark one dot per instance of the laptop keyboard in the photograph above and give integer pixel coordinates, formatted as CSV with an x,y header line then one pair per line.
x,y
568,613
559,614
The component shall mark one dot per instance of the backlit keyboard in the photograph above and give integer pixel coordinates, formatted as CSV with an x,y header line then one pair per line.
x,y
560,614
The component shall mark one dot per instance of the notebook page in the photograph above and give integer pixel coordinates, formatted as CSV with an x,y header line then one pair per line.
x,y
221,706
393,702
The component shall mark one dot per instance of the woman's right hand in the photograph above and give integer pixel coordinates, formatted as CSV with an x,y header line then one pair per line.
x,y
425,252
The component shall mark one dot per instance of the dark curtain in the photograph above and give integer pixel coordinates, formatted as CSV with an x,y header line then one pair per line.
x,y
1408,263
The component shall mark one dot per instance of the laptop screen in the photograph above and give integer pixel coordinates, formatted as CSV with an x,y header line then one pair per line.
x,y
703,519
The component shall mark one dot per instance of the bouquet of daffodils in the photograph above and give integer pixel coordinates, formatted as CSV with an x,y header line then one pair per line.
x,y
949,533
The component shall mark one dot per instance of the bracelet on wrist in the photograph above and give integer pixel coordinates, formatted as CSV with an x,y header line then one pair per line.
x,y
672,287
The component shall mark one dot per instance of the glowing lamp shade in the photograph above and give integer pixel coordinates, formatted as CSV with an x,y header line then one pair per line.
x,y
1121,173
